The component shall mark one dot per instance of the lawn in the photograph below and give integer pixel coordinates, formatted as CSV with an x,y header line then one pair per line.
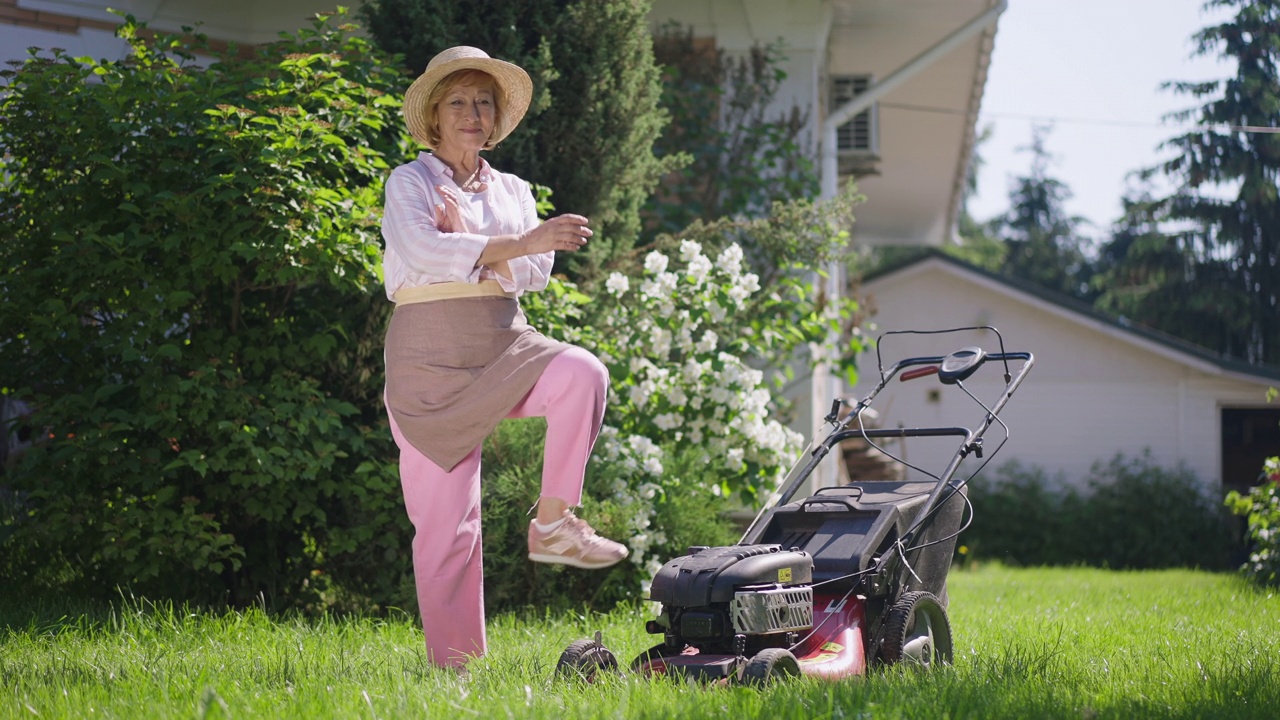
x,y
1041,643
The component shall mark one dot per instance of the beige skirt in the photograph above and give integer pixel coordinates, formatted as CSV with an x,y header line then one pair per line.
x,y
457,367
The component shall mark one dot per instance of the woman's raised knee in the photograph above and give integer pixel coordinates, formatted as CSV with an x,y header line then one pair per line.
x,y
583,369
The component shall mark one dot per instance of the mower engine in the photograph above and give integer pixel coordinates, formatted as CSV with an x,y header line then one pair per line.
x,y
729,599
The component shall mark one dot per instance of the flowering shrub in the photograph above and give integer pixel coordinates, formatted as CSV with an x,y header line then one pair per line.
x,y
676,347
681,339
1262,507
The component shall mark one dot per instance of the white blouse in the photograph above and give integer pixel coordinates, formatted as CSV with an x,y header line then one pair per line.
x,y
417,253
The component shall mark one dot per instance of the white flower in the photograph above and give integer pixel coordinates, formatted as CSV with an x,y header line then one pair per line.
x,y
660,342
639,393
657,374
617,284
653,466
655,262
751,282
685,342
730,260
733,460
676,396
668,421
644,445
667,282
708,342
720,396
692,371
699,269
689,250
732,372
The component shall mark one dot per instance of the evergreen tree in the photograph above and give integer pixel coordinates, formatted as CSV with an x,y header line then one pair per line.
x,y
590,130
1166,281
1042,241
978,245
1232,237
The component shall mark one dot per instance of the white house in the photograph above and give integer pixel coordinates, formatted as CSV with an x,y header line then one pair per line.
x,y
1098,387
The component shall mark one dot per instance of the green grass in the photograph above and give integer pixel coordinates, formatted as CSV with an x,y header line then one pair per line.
x,y
1029,644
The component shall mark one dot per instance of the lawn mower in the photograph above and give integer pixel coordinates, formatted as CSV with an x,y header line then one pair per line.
x,y
838,581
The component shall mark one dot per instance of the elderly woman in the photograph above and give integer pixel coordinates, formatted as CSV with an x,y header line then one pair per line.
x,y
463,243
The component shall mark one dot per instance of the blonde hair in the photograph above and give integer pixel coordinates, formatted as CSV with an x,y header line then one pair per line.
x,y
466,76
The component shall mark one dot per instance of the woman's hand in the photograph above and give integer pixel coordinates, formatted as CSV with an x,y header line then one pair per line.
x,y
563,233
449,213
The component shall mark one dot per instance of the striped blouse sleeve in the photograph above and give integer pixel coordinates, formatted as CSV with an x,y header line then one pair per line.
x,y
529,272
409,227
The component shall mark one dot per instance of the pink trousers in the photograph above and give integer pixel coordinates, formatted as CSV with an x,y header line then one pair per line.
x,y
445,506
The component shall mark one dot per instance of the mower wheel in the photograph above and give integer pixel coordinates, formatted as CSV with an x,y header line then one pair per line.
x,y
768,665
585,660
916,632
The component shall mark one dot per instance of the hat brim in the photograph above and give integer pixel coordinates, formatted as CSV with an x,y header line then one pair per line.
x,y
514,88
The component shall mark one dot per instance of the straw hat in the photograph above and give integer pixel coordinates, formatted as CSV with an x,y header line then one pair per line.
x,y
514,88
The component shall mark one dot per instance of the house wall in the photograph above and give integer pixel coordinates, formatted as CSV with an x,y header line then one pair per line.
x,y
1093,391
21,28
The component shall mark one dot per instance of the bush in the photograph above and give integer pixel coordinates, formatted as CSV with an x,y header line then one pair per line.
x,y
1262,507
192,305
1133,515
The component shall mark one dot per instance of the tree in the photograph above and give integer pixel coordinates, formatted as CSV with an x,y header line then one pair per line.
x,y
1165,281
1224,217
978,245
1042,241
743,158
590,131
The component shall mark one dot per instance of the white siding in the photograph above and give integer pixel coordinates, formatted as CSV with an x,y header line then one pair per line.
x,y
1095,390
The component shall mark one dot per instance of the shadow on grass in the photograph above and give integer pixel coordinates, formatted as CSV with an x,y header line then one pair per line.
x,y
48,613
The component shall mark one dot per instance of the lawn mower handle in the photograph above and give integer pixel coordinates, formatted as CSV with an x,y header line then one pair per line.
x,y
842,431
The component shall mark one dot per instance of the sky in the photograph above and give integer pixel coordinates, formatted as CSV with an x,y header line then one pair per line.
x,y
1091,70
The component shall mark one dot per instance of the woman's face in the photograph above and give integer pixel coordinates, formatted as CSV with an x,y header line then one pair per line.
x,y
466,116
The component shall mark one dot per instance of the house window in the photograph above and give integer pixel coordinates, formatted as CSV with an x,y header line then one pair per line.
x,y
859,135
1249,437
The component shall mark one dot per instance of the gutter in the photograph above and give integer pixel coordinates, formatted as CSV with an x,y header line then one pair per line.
x,y
844,113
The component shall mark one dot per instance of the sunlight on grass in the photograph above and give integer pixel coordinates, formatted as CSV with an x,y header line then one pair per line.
x,y
1029,643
